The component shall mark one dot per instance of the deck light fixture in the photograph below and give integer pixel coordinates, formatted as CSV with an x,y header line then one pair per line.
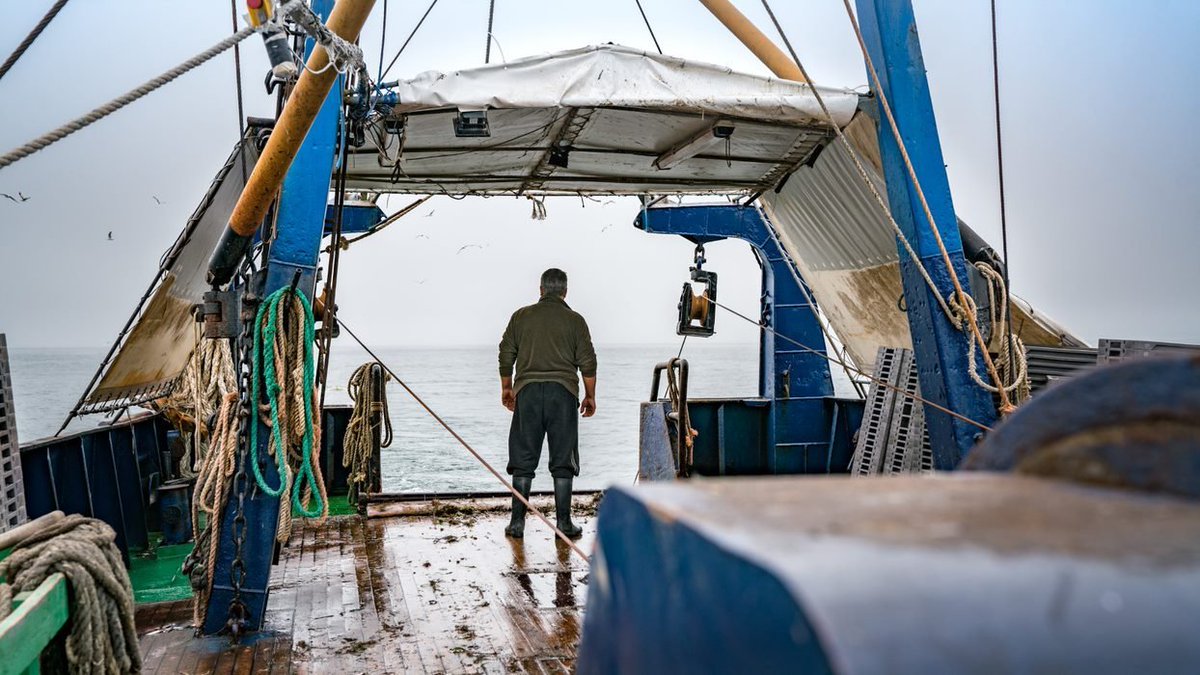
x,y
720,131
471,124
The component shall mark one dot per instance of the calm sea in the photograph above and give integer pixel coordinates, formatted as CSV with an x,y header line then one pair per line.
x,y
462,386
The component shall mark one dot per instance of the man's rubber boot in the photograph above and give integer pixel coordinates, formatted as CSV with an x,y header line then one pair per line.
x,y
516,527
562,508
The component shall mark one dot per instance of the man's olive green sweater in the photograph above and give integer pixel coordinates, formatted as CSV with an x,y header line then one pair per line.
x,y
547,342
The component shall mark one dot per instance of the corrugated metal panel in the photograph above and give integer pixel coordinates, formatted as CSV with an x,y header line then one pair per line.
x,y
845,249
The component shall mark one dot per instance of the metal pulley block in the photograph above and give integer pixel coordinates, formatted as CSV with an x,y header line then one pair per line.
x,y
221,314
698,313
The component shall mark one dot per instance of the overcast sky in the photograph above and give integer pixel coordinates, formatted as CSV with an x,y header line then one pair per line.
x,y
1100,102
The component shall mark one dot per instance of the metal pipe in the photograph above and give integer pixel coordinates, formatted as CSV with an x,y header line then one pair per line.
x,y
754,39
346,21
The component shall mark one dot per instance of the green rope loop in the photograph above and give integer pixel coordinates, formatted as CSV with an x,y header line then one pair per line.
x,y
266,332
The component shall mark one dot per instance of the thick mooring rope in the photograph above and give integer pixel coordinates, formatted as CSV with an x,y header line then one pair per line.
x,y
357,450
103,638
283,360
33,35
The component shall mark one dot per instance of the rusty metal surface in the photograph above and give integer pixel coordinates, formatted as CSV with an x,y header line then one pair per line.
x,y
948,573
439,592
1134,425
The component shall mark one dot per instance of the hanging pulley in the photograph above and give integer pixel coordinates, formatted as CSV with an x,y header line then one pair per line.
x,y
698,310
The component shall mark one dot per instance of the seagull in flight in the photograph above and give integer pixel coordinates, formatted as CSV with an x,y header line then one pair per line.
x,y
606,227
110,235
157,200
15,200
430,213
422,236
422,282
460,250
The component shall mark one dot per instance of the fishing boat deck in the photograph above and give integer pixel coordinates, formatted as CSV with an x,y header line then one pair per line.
x,y
431,587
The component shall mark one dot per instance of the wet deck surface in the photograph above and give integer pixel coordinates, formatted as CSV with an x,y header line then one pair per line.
x,y
400,592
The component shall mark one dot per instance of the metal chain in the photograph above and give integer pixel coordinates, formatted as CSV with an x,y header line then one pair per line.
x,y
237,620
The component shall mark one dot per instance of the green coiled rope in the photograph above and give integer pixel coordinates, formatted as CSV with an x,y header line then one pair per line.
x,y
267,332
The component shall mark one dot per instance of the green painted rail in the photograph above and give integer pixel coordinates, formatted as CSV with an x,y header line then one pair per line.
x,y
37,617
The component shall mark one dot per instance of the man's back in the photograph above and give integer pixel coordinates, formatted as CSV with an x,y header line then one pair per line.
x,y
547,342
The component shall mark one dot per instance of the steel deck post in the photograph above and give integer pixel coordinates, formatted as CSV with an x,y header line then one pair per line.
x,y
296,248
796,381
890,32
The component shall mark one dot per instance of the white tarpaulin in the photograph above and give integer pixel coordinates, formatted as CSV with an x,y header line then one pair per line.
x,y
614,110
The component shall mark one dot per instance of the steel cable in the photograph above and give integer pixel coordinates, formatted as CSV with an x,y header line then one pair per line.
x,y
33,35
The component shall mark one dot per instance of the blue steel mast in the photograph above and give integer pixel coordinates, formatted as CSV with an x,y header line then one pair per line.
x,y
295,249
890,32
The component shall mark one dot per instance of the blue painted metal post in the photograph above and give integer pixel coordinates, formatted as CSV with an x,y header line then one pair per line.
x,y
890,31
296,247
796,381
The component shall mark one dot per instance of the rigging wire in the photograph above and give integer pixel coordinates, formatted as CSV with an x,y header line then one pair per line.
x,y
382,43
487,52
846,365
647,20
421,402
33,35
237,66
1000,175
408,40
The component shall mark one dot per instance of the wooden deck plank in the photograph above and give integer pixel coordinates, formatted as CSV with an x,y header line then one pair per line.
x,y
428,591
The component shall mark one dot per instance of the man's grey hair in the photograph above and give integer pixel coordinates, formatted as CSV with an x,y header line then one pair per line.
x,y
554,282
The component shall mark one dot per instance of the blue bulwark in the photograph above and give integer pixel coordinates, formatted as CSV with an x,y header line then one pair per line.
x,y
890,32
296,247
795,380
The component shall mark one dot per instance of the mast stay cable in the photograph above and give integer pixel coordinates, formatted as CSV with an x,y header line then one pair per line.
x,y
408,39
487,52
33,35
647,20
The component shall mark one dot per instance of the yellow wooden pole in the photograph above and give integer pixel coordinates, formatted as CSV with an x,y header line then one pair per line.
x,y
754,39
345,21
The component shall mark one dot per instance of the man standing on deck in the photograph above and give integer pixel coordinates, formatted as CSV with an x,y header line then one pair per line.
x,y
550,346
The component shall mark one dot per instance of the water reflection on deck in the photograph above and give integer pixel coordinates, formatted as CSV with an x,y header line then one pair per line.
x,y
410,589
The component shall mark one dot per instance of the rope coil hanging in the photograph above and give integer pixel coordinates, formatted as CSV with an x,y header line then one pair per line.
x,y
283,361
358,444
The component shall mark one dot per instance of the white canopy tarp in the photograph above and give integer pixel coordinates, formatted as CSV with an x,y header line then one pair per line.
x,y
615,109
611,76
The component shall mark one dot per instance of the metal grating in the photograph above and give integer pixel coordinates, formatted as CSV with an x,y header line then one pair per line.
x,y
908,448
876,424
12,487
1113,351
1048,364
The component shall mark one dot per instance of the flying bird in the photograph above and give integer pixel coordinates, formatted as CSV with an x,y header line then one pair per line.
x,y
156,200
422,282
110,235
422,236
606,227
460,250
15,200
430,213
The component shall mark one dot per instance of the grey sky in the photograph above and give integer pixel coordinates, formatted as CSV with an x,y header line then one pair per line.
x,y
1100,100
